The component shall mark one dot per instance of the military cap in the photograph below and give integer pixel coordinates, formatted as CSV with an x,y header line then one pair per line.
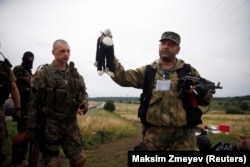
x,y
169,35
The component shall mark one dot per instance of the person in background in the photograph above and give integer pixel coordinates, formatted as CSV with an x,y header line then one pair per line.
x,y
167,125
7,86
58,94
23,75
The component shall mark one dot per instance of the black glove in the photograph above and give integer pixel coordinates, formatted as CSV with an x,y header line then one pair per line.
x,y
201,89
31,134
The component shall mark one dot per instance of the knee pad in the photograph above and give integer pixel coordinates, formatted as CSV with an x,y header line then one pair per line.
x,y
52,161
54,164
81,161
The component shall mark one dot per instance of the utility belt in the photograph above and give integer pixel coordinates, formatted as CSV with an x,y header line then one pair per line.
x,y
185,128
58,116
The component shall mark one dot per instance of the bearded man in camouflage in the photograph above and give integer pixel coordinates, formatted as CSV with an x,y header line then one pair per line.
x,y
58,94
167,125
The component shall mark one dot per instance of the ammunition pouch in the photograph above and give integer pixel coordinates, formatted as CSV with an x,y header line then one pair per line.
x,y
57,115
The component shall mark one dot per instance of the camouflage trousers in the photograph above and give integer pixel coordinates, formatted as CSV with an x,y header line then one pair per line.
x,y
170,139
65,134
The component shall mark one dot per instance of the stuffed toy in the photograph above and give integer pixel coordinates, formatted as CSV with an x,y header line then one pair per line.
x,y
105,54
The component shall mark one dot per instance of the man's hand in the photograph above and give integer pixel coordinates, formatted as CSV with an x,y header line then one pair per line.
x,y
17,114
200,89
82,109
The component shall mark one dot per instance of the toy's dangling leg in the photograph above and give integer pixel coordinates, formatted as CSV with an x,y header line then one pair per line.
x,y
110,60
99,58
109,53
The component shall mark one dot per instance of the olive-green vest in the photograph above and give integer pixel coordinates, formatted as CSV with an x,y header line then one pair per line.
x,y
63,92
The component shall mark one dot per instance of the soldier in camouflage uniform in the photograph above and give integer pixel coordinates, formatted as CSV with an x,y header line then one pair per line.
x,y
58,94
23,75
7,86
166,115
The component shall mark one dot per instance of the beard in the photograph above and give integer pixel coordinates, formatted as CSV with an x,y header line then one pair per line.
x,y
167,57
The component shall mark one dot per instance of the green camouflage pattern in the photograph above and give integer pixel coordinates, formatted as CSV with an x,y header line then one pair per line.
x,y
165,108
165,114
170,139
169,35
23,82
23,79
56,95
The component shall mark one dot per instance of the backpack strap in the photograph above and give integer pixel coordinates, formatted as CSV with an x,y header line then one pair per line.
x,y
186,70
148,85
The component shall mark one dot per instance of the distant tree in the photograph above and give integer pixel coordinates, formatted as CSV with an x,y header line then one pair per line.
x,y
109,106
233,110
220,103
244,106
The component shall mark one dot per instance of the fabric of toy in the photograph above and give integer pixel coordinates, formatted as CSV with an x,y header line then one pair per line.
x,y
105,54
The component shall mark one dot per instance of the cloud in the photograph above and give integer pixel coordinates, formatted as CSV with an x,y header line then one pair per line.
x,y
215,36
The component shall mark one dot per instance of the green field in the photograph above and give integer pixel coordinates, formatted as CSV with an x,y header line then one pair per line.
x,y
100,126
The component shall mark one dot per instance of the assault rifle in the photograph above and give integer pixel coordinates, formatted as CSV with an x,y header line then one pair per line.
x,y
33,153
190,101
36,146
33,149
187,81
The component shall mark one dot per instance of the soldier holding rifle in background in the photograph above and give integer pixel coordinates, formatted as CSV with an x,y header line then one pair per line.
x,y
7,86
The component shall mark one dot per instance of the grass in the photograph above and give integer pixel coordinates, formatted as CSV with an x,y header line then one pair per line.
x,y
99,126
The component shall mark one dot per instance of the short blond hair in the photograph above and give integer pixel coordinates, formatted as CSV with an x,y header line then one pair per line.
x,y
57,42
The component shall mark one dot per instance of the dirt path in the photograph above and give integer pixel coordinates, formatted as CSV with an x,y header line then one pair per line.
x,y
112,154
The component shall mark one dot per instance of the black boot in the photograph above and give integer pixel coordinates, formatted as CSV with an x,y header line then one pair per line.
x,y
2,158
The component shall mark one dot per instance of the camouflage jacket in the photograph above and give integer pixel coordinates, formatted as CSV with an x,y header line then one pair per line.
x,y
23,79
165,108
57,94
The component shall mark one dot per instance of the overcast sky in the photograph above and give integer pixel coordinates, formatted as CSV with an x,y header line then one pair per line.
x,y
215,36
